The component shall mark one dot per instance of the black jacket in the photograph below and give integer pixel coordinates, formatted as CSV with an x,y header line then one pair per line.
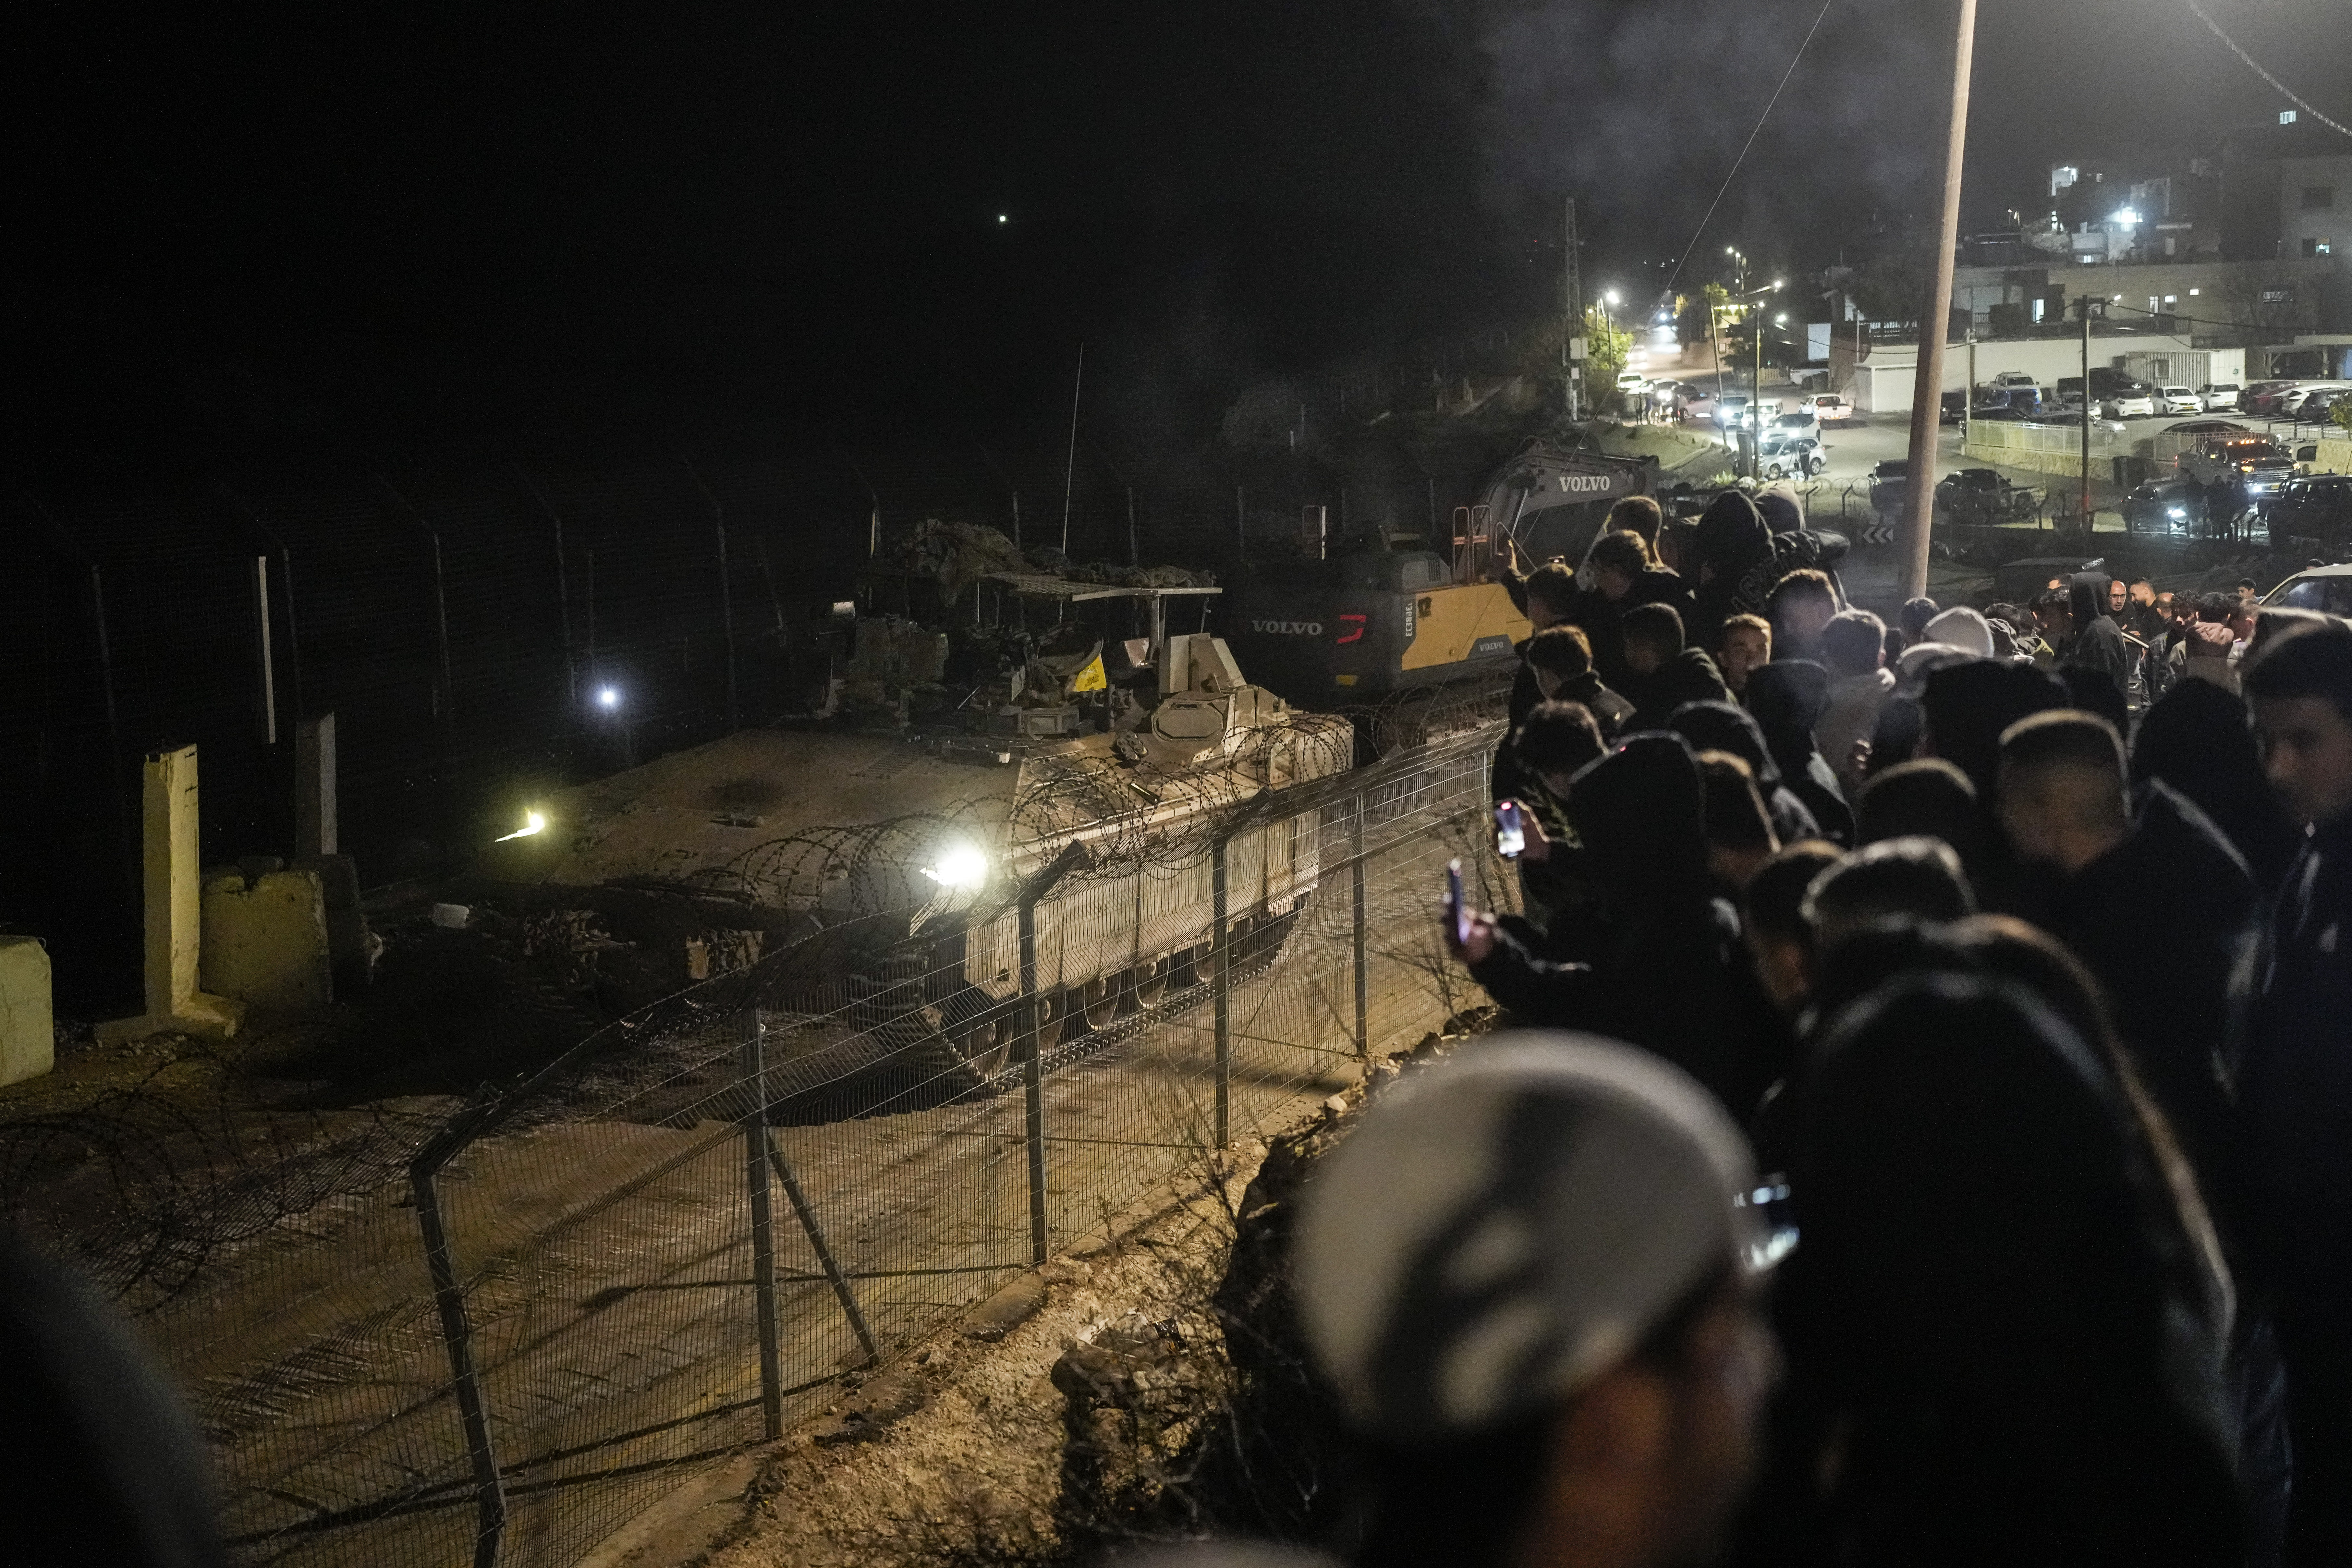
x,y
1504,779
1608,710
2196,738
2098,642
1601,619
1725,726
1787,698
2167,979
2294,1092
1672,976
1689,676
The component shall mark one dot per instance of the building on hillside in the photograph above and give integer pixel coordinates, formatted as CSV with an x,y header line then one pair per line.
x,y
2286,195
2236,303
1881,381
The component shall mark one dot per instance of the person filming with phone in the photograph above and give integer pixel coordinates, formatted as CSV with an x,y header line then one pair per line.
x,y
1669,974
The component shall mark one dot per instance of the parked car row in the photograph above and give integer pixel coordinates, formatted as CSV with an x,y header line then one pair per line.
x,y
2305,402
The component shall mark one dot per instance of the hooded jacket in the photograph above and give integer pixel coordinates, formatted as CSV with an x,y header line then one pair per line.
x,y
1995,1309
1689,676
1673,977
1787,698
1731,543
2098,642
2170,992
1969,705
1722,726
2196,738
1610,709
2296,1081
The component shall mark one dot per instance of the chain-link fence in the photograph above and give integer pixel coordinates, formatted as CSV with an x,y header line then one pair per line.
x,y
500,1333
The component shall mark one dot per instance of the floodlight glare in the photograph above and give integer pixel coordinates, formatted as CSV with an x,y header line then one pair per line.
x,y
608,697
532,821
961,869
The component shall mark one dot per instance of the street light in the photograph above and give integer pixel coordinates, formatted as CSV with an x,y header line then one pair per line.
x,y
1756,386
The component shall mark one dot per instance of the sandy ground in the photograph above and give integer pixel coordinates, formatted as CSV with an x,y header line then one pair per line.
x,y
953,1453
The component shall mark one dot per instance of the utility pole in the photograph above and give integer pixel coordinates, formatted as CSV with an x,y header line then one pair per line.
x,y
2083,305
1756,395
1070,466
1571,307
1968,407
1927,389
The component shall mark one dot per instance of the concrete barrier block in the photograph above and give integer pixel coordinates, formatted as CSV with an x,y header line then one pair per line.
x,y
348,937
27,1029
265,945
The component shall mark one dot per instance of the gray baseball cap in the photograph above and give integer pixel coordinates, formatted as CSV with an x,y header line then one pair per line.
x,y
1510,1225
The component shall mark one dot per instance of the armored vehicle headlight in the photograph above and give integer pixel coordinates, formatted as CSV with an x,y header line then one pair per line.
x,y
532,821
961,867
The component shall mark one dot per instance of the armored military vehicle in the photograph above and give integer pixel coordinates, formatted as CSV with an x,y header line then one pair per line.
x,y
1023,740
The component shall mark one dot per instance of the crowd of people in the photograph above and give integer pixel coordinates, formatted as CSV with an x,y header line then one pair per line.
x,y
1926,1135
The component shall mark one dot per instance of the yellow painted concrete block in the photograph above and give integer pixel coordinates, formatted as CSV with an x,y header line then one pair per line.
x,y
264,943
27,1034
173,895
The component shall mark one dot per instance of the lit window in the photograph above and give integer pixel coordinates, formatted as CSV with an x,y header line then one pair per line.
x,y
2317,248
2038,305
2172,298
2193,293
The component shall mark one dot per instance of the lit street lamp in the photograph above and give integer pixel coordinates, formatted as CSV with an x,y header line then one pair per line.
x,y
1756,386
609,701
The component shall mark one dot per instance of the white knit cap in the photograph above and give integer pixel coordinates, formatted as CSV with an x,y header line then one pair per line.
x,y
1508,1227
1963,628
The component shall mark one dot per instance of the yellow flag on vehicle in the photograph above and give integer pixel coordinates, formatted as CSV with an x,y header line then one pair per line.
x,y
1092,678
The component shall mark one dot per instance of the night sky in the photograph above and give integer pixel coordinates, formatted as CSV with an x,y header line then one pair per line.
x,y
367,223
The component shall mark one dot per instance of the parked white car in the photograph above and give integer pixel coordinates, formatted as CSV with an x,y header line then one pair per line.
x,y
2130,406
1632,380
1801,423
2179,400
2014,378
1698,403
2217,396
1790,453
2290,403
1829,409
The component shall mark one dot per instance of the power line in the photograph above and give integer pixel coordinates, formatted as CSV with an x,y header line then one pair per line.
x,y
2256,66
2105,304
1751,143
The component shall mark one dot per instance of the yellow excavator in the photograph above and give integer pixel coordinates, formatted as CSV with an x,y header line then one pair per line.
x,y
1392,615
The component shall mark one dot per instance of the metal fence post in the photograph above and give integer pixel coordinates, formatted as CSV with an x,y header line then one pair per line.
x,y
1355,862
806,1214
764,1226
1032,1080
490,1487
1221,955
